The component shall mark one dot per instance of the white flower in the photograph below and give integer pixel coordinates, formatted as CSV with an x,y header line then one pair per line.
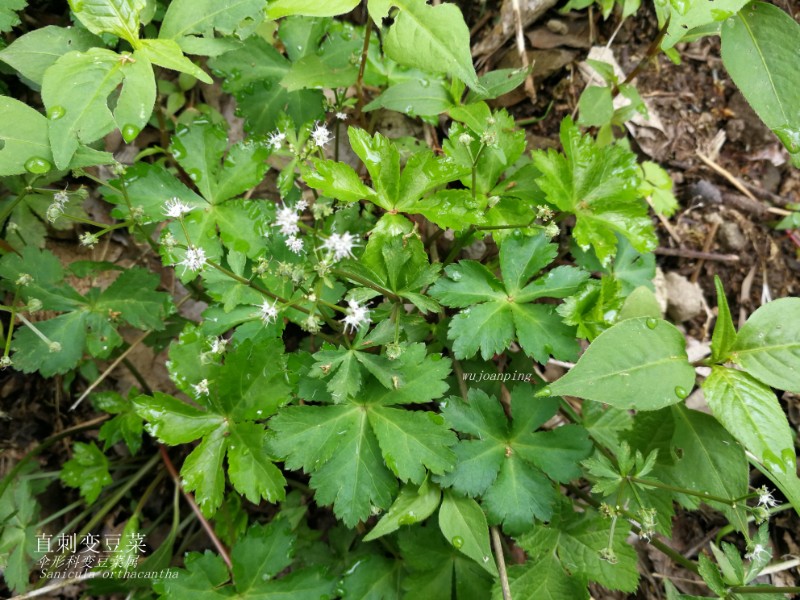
x,y
321,135
341,116
5,362
765,497
201,389
275,140
286,218
194,260
89,240
60,198
301,205
465,138
295,244
218,345
756,552
356,316
175,208
269,312
341,245
24,279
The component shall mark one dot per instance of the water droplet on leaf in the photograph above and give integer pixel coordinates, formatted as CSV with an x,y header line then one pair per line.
x,y
129,132
56,112
681,392
38,165
652,323
457,541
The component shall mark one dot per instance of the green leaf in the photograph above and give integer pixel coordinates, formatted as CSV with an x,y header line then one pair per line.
x,y
414,98
701,15
751,412
495,311
632,356
412,441
758,51
8,15
184,18
133,297
126,426
657,184
167,54
507,462
32,354
201,148
337,180
251,471
310,8
497,83
768,344
77,87
119,17
31,54
543,579
373,577
595,106
600,185
432,38
23,132
462,522
337,446
579,540
174,422
724,336
709,461
87,470
244,389
412,505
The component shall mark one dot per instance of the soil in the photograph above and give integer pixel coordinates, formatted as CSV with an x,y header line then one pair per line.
x,y
698,107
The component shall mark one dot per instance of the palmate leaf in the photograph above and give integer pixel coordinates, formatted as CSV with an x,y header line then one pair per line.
x,y
498,311
438,569
579,540
356,450
263,553
600,186
249,386
508,464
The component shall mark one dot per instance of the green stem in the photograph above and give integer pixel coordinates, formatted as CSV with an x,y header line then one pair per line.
x,y
702,495
15,202
340,272
764,589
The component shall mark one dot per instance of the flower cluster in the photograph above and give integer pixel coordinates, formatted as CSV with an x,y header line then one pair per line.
x,y
288,219
175,209
194,260
269,312
275,140
339,246
356,316
56,208
321,135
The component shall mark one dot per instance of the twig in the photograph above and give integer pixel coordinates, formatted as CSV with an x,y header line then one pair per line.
x,y
684,253
109,369
734,181
501,562
706,247
196,509
530,89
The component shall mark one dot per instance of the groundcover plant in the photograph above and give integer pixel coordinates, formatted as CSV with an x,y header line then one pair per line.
x,y
261,341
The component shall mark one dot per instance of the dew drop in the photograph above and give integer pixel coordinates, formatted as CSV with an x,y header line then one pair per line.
x,y
486,559
194,174
681,392
457,541
789,137
407,519
652,323
129,132
546,391
56,112
38,165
